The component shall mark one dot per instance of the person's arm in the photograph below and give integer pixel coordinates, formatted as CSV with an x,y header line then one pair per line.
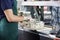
x,y
6,6
57,39
11,17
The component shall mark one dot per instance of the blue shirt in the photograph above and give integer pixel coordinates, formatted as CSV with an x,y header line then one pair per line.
x,y
55,16
4,5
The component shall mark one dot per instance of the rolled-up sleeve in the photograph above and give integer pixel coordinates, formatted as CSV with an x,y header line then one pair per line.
x,y
6,4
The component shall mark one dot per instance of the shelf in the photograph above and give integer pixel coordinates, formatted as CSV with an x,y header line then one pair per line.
x,y
25,12
41,3
47,12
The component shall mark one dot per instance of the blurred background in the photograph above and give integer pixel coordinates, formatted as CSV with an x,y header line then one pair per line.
x,y
41,17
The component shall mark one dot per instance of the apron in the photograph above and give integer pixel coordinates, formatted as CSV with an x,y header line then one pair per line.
x,y
9,31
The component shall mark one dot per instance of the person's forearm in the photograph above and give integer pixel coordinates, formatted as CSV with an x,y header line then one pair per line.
x,y
11,17
16,18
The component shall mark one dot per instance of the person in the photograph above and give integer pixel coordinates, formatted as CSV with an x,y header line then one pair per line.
x,y
57,39
9,20
55,19
56,22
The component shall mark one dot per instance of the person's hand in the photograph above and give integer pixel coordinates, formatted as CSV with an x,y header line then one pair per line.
x,y
21,18
57,39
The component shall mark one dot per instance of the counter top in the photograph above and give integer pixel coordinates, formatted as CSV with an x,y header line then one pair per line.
x,y
41,34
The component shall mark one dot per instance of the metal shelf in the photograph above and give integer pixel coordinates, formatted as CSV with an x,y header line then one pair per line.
x,y
41,3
